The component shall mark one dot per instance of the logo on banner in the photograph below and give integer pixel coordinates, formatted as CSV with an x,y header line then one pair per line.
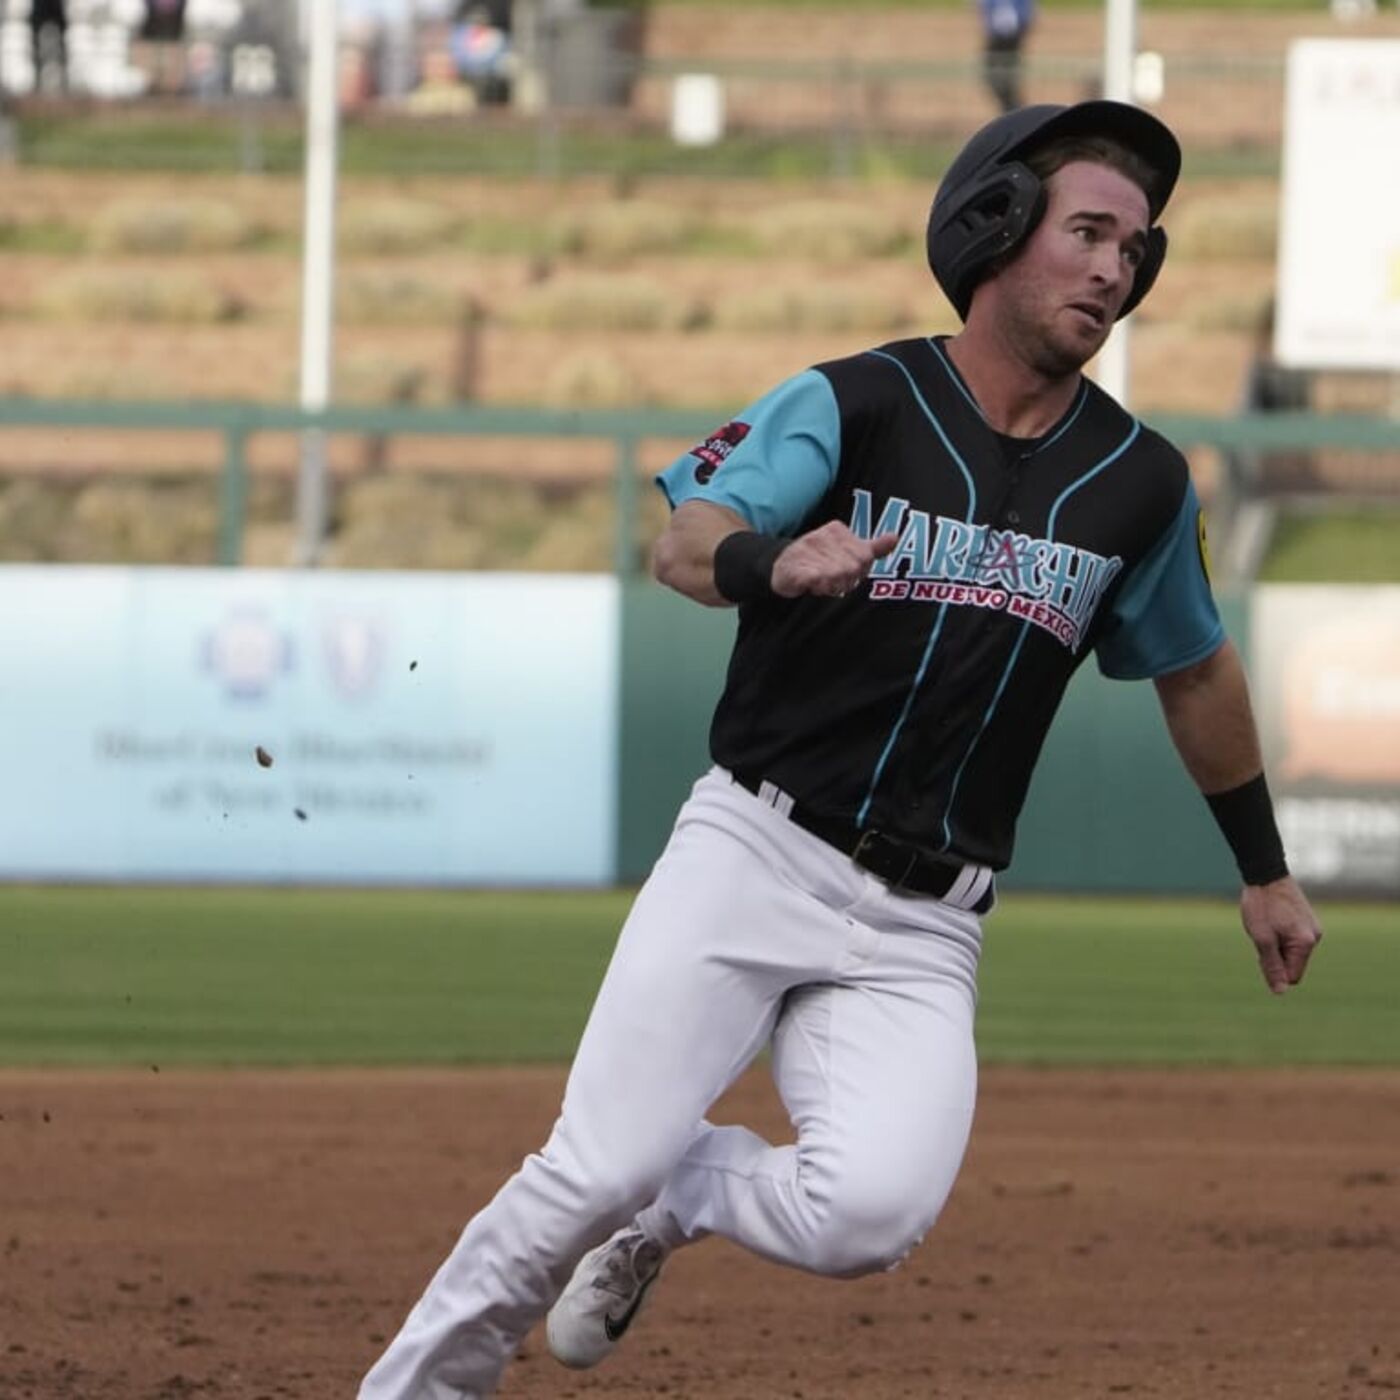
x,y
247,653
1203,544
353,648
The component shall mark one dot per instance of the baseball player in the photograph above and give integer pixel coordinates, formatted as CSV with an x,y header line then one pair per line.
x,y
924,541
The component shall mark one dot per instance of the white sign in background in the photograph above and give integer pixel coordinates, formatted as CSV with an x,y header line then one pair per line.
x,y
424,728
1339,238
1326,664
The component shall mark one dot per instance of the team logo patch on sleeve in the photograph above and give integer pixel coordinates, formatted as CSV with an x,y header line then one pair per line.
x,y
714,451
1203,544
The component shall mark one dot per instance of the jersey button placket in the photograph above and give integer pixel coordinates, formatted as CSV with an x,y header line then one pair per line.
x,y
1008,512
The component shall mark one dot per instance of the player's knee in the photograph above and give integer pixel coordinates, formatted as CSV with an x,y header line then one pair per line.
x,y
847,1258
606,1185
850,1243
616,1188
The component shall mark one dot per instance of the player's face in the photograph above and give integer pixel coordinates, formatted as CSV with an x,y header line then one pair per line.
x,y
1059,298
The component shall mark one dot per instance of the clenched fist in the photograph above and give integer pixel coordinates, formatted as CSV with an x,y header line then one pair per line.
x,y
829,561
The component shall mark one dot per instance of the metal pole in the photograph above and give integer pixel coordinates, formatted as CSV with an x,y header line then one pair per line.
x,y
625,501
318,272
536,38
233,497
1120,47
9,139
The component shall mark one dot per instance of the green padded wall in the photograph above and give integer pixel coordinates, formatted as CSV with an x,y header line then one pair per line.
x,y
673,656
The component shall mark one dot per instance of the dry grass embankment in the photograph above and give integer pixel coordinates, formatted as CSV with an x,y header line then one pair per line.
x,y
669,294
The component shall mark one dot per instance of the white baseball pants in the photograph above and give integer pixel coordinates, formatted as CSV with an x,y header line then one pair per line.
x,y
749,931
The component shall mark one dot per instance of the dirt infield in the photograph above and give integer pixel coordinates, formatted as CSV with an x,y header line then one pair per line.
x,y
168,1235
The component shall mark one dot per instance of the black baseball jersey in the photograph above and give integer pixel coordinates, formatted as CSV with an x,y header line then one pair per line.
x,y
917,705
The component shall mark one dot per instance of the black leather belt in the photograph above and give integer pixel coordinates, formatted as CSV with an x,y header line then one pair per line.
x,y
896,862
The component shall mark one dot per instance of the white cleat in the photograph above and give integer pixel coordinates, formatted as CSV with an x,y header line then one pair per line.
x,y
603,1298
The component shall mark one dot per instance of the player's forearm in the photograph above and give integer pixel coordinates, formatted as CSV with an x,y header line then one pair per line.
x,y
1211,722
684,556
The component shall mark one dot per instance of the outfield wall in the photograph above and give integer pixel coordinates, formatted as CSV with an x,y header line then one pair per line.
x,y
423,728
543,729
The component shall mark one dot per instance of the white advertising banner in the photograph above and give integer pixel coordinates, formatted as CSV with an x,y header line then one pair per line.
x,y
1339,238
415,728
1326,666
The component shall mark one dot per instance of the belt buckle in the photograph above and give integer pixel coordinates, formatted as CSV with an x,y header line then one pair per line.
x,y
867,846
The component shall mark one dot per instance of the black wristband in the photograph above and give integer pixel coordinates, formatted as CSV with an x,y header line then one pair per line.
x,y
1246,816
744,565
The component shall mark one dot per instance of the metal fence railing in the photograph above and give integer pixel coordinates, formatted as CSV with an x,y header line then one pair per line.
x,y
1235,438
237,422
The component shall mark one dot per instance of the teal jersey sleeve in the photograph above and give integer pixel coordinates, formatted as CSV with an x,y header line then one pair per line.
x,y
1164,617
773,463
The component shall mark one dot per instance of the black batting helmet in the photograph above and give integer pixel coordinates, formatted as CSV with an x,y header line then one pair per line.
x,y
990,201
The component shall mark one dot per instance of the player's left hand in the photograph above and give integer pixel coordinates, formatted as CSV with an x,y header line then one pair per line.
x,y
1283,928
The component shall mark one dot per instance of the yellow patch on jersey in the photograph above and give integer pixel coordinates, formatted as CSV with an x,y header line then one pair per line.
x,y
1202,543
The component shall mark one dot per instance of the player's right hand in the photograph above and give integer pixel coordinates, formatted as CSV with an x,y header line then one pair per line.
x,y
829,561
1283,928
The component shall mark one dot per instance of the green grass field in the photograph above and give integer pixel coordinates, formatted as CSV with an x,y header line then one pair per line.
x,y
1341,546
242,977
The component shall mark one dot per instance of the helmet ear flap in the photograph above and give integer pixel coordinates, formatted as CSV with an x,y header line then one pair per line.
x,y
971,227
1153,256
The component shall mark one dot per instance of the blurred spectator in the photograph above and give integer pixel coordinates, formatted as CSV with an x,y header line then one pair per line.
x,y
48,30
165,21
440,91
1005,24
379,49
162,53
481,47
260,52
398,73
204,71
